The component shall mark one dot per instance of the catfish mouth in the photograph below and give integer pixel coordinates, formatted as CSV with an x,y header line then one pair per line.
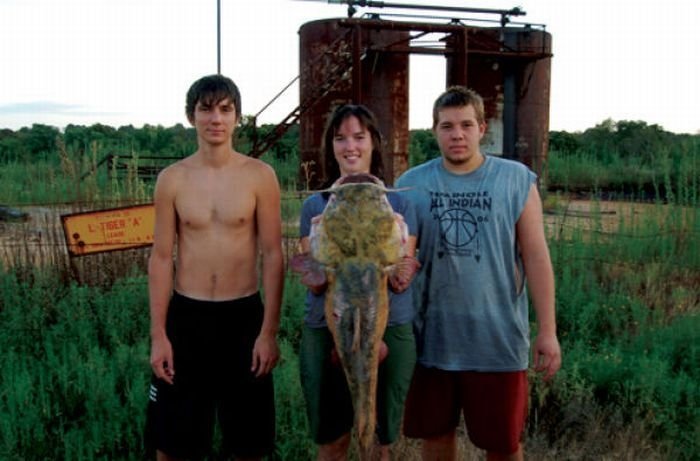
x,y
361,178
358,178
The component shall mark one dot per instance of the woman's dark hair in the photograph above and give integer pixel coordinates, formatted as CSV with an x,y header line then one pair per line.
x,y
369,122
211,90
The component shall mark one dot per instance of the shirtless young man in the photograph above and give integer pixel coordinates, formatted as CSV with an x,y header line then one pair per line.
x,y
213,341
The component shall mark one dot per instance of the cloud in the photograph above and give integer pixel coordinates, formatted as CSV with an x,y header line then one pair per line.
x,y
50,108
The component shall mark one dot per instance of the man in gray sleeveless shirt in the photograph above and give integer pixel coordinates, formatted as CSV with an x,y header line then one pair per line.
x,y
480,239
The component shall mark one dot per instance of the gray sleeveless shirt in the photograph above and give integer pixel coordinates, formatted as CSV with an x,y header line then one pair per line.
x,y
470,293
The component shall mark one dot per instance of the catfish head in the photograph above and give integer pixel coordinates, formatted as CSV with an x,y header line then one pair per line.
x,y
358,221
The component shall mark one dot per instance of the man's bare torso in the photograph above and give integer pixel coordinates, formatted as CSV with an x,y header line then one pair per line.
x,y
216,229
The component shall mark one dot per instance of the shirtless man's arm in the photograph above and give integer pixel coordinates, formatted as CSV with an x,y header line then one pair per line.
x,y
160,274
268,222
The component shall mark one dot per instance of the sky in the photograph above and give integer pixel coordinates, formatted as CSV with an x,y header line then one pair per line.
x,y
130,62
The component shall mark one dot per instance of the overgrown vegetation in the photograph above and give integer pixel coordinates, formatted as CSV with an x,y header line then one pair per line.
x,y
628,315
74,333
75,372
629,160
625,159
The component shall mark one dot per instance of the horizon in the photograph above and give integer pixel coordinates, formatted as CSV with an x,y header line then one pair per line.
x,y
186,125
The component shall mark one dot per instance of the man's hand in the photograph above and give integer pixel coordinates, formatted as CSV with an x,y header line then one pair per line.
x,y
547,355
265,355
403,273
162,358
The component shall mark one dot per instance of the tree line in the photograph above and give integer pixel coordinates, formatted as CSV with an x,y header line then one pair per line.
x,y
632,157
629,139
39,141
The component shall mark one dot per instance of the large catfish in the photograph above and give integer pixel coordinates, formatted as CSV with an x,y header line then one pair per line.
x,y
358,240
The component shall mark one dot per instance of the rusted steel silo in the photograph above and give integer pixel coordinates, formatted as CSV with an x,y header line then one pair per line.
x,y
366,61
510,68
344,61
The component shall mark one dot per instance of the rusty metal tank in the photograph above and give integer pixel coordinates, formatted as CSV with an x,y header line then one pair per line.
x,y
366,61
510,68
345,61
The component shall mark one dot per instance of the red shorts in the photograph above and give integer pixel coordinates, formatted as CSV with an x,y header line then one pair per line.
x,y
494,406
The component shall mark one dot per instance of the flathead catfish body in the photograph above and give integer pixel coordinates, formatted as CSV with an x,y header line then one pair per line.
x,y
356,239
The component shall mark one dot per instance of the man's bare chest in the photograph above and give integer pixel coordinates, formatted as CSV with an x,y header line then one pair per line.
x,y
206,210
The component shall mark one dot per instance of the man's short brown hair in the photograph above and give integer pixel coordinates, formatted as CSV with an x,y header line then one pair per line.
x,y
459,96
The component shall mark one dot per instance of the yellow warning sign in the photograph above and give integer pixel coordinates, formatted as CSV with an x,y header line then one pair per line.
x,y
109,230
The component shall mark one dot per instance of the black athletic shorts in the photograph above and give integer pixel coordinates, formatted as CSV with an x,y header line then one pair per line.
x,y
212,353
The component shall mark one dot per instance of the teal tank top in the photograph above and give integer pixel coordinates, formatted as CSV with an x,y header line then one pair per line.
x,y
472,308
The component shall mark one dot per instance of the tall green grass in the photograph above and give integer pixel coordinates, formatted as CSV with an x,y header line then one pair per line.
x,y
72,378
67,176
75,371
75,357
671,174
74,333
628,312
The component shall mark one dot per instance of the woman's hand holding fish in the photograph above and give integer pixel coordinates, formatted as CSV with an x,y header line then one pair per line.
x,y
313,276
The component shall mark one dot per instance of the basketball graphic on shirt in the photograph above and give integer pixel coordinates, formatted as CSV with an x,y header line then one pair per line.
x,y
458,228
